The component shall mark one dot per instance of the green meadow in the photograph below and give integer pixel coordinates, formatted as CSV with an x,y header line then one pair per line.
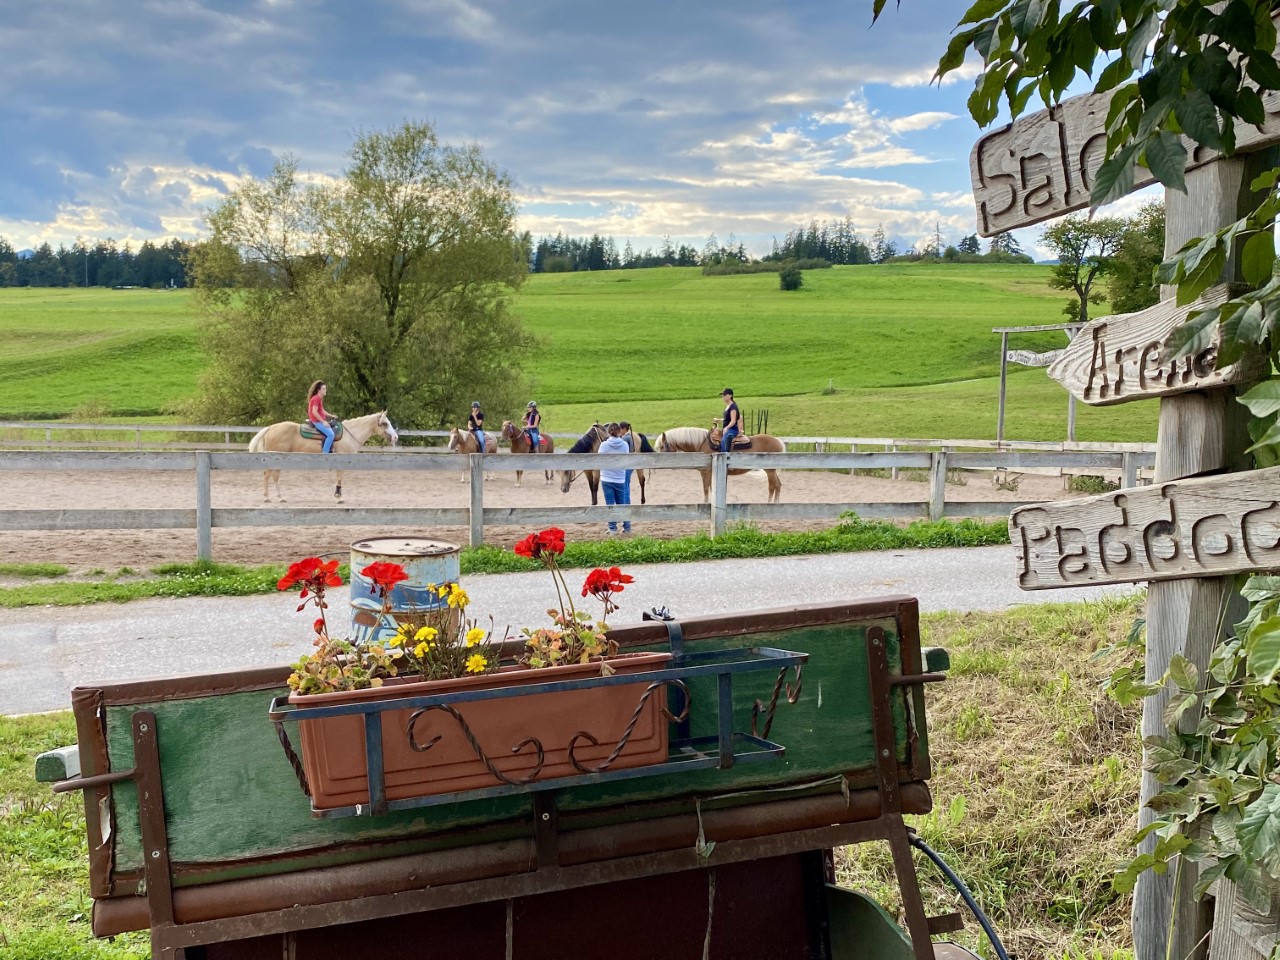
x,y
893,350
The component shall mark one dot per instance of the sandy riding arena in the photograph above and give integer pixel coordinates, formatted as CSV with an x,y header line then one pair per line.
x,y
112,549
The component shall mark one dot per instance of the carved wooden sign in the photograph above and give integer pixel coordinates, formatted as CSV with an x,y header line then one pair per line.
x,y
1118,359
1204,527
1043,165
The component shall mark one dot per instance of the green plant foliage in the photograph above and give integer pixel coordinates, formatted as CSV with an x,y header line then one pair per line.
x,y
791,278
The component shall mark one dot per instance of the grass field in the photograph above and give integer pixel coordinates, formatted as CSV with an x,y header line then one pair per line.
x,y
895,350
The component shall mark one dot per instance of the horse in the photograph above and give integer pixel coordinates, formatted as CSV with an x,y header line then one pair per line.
x,y
520,444
697,440
464,441
590,443
285,437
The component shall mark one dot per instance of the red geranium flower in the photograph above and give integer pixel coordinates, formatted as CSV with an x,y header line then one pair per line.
x,y
311,572
601,583
546,541
384,575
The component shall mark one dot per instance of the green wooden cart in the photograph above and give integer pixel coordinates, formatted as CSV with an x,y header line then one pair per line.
x,y
199,831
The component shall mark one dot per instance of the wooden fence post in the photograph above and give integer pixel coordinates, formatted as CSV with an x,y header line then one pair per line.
x,y
937,484
1198,433
719,491
893,471
1128,470
475,468
204,506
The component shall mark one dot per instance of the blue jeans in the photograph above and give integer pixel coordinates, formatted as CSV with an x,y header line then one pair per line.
x,y
726,441
535,438
479,435
615,495
328,435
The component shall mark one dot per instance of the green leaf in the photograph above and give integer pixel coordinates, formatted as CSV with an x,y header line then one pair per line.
x,y
1269,439
1263,70
1249,107
1198,119
1113,74
1262,648
1261,586
1203,277
1190,338
982,10
1259,830
1167,159
955,54
1263,399
877,8
1183,673
1115,177
1135,44
1258,258
1208,876
1253,326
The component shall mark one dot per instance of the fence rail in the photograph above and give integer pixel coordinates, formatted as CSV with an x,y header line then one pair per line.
x,y
476,516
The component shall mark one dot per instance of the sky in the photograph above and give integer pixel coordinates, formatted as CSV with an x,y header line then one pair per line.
x,y
131,119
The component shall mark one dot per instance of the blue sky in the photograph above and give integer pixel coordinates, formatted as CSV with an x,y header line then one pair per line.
x,y
129,119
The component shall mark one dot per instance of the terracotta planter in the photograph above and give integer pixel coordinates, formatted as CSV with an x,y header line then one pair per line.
x,y
333,749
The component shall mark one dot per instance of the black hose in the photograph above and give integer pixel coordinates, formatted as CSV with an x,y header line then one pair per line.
x,y
964,893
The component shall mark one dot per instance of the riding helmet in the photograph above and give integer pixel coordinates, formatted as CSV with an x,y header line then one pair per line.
x,y
533,403
475,403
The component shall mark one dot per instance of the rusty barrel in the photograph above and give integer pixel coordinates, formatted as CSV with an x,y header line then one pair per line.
x,y
427,562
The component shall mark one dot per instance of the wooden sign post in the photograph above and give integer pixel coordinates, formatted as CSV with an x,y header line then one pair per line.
x,y
1181,536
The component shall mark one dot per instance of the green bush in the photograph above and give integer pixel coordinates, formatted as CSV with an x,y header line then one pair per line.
x,y
790,279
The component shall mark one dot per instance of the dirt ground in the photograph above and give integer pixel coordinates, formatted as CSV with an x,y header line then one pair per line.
x,y
110,550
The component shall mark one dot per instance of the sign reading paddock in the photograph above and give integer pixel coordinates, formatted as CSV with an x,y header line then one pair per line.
x,y
1043,165
1204,527
1120,358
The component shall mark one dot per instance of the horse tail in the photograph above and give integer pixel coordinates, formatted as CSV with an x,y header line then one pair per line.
x,y
255,445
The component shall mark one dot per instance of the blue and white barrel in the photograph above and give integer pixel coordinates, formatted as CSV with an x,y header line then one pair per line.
x,y
427,562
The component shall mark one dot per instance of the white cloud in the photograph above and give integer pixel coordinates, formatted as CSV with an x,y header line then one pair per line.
x,y
920,121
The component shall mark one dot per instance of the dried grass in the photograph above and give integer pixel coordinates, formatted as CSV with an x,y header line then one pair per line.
x,y
1035,781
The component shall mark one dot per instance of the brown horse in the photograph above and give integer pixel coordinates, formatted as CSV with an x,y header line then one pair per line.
x,y
520,444
697,440
590,443
285,438
464,441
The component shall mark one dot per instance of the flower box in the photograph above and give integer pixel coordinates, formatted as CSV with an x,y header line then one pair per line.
x,y
507,730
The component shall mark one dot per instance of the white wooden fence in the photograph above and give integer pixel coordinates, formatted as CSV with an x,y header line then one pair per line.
x,y
203,517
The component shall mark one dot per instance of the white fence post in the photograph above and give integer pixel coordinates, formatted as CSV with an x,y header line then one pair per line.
x,y
475,464
893,471
204,506
1128,470
937,484
719,491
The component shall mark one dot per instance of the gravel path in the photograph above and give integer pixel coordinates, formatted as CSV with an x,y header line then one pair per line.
x,y
44,652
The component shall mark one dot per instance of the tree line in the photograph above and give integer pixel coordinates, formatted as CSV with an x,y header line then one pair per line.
x,y
100,263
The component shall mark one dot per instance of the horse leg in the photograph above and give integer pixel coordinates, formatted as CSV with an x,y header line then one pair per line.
x,y
775,486
519,476
266,486
337,488
640,477
275,479
593,481
706,485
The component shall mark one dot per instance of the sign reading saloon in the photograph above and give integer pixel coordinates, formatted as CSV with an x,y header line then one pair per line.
x,y
1121,358
1204,527
1043,165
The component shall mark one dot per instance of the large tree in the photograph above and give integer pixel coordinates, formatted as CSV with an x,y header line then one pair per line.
x,y
392,283
1131,282
1084,249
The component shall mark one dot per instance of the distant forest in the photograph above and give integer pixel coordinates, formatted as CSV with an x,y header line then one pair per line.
x,y
103,264
835,241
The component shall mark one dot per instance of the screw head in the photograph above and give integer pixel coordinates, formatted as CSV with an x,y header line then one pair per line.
x,y
884,753
546,816
142,727
155,854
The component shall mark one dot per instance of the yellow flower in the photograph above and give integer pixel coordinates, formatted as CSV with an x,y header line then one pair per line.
x,y
442,591
399,639
476,663
421,649
474,636
425,633
458,597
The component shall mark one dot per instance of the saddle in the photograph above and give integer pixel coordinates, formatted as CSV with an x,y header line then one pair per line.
x,y
542,442
308,431
740,442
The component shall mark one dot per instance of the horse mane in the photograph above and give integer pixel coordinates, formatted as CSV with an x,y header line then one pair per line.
x,y
645,445
691,437
588,444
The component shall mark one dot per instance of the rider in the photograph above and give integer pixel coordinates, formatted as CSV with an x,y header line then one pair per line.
x,y
732,421
317,414
533,425
475,423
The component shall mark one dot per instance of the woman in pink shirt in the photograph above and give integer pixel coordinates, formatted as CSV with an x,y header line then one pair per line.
x,y
318,415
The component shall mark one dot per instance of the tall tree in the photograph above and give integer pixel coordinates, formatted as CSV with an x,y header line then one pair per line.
x,y
1131,285
1084,249
392,284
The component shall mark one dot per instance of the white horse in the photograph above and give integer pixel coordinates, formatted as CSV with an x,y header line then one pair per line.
x,y
464,441
285,437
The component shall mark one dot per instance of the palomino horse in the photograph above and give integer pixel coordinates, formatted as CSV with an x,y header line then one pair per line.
x,y
590,443
464,441
697,440
285,438
520,444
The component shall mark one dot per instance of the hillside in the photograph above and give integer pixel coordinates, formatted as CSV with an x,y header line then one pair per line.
x,y
895,350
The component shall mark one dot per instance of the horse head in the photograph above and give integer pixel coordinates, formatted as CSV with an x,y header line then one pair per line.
x,y
661,443
383,428
509,430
